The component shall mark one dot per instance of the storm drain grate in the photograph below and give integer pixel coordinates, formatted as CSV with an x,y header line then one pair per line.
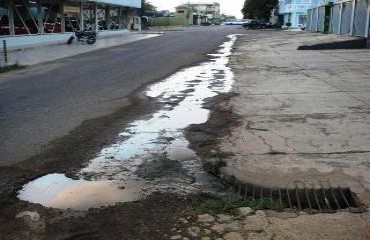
x,y
321,197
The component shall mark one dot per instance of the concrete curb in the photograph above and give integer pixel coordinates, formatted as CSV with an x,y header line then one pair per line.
x,y
346,44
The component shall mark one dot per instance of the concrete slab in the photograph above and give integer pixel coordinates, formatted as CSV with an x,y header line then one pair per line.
x,y
304,115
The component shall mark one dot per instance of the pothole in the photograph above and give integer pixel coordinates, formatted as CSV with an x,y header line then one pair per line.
x,y
132,167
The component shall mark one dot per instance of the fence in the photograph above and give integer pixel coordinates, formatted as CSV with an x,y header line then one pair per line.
x,y
350,17
4,54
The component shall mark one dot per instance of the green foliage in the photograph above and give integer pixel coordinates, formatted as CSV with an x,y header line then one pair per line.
x,y
177,20
214,167
258,9
277,25
147,7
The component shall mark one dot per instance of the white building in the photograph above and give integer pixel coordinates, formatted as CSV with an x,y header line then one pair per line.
x,y
201,11
295,11
42,17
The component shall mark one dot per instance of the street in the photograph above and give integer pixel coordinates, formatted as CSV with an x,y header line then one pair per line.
x,y
202,133
45,102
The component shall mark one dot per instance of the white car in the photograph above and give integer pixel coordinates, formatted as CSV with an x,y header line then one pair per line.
x,y
235,21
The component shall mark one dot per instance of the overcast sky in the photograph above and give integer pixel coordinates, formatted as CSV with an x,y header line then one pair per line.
x,y
230,7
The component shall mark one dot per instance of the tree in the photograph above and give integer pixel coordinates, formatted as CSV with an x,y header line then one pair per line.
x,y
147,7
259,9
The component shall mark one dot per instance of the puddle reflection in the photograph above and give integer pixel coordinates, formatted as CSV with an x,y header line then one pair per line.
x,y
153,149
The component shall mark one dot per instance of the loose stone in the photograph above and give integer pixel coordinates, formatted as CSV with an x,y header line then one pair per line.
x,y
245,211
222,218
260,213
206,232
233,236
194,231
206,218
255,223
219,228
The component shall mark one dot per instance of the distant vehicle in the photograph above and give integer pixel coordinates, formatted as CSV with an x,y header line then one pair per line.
x,y
205,23
256,24
235,21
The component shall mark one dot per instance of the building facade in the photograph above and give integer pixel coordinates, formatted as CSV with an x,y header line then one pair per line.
x,y
200,12
42,17
348,17
211,10
295,11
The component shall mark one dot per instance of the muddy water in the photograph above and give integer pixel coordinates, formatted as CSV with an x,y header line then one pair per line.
x,y
152,154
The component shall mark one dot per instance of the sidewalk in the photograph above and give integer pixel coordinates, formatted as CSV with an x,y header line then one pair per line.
x,y
40,54
304,114
303,117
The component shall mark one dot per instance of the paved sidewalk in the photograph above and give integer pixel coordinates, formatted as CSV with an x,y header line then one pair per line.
x,y
304,117
304,114
40,54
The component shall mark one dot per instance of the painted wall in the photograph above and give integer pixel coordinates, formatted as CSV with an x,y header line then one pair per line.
x,y
295,11
178,20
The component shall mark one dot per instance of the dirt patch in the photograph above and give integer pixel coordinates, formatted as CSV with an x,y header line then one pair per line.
x,y
148,219
204,138
158,168
65,155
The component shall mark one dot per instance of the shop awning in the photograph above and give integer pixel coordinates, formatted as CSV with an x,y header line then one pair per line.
x,y
123,3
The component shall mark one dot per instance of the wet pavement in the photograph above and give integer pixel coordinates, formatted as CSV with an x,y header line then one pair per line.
x,y
151,154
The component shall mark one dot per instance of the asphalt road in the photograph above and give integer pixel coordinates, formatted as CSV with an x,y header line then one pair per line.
x,y
45,102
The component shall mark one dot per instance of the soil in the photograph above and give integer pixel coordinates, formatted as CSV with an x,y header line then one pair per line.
x,y
205,138
149,218
154,217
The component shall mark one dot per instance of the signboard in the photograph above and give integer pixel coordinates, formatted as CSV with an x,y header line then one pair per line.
x,y
124,3
71,9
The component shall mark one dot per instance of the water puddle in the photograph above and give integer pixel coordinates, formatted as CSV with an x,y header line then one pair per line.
x,y
152,154
58,191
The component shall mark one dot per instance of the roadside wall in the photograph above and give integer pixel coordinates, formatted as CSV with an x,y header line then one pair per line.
x,y
351,17
178,20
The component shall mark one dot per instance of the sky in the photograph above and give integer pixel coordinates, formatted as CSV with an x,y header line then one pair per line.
x,y
229,7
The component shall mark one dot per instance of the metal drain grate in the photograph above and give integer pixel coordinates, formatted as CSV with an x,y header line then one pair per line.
x,y
301,196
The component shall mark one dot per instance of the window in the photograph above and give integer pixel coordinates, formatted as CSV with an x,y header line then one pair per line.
x,y
302,19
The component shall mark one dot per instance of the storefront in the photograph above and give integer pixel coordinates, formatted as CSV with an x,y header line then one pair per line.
x,y
22,17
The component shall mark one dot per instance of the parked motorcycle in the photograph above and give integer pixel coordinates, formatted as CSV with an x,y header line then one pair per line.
x,y
83,36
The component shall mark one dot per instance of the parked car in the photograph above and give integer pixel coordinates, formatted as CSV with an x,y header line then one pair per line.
x,y
256,24
205,23
265,24
235,21
218,22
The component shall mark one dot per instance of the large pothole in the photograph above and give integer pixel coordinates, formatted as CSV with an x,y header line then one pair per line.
x,y
151,154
